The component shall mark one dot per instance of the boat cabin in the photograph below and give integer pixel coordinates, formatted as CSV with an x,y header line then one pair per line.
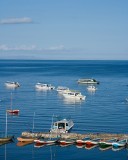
x,y
62,126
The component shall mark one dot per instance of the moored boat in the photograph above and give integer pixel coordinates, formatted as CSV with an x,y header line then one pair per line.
x,y
82,141
46,141
93,141
120,143
62,126
6,138
44,86
26,139
103,145
87,81
13,111
10,84
62,89
74,95
66,141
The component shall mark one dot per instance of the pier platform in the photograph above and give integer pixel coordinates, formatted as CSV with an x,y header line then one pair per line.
x,y
105,136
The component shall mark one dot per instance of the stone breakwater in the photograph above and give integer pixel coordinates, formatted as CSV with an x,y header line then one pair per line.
x,y
104,136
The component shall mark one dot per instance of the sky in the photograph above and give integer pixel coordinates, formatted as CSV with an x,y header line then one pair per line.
x,y
64,29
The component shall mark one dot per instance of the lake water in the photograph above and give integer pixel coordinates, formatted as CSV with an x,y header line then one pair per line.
x,y
103,111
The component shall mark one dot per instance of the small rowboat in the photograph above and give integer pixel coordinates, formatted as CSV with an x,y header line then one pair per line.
x,y
82,141
13,111
44,141
25,139
120,143
6,139
104,145
93,141
66,141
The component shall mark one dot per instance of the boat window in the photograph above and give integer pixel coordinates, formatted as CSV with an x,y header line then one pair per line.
x,y
66,124
61,125
71,93
55,124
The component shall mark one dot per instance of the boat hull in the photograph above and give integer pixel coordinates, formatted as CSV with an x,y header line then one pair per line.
x,y
6,139
12,84
25,139
65,142
44,142
79,97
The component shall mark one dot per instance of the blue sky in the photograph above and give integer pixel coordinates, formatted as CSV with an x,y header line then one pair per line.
x,y
64,29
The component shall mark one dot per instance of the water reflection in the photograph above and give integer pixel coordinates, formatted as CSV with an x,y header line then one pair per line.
x,y
117,149
5,148
90,146
72,101
20,144
11,87
105,148
91,92
79,146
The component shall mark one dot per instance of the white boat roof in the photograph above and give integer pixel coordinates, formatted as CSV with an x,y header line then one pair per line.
x,y
12,82
63,121
44,84
87,79
74,91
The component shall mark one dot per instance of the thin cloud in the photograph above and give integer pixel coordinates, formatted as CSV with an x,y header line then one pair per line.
x,y
18,48
16,20
61,47
5,47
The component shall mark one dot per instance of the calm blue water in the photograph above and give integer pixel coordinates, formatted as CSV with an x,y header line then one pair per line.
x,y
102,111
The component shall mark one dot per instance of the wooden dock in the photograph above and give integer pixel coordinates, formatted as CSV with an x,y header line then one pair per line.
x,y
104,136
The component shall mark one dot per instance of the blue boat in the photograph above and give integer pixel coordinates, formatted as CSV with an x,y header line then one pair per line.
x,y
120,143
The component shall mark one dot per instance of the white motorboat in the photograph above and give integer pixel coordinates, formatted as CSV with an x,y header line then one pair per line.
x,y
74,95
62,126
88,81
91,88
62,89
44,86
10,84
